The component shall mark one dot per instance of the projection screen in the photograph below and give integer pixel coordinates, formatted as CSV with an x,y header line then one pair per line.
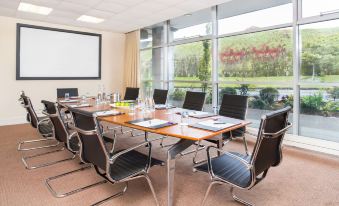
x,y
49,53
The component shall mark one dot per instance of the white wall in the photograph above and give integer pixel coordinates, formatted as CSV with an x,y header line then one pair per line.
x,y
11,112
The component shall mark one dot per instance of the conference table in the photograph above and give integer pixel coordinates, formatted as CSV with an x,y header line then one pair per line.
x,y
187,135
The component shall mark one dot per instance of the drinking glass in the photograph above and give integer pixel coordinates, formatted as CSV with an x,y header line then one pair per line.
x,y
131,109
66,96
184,118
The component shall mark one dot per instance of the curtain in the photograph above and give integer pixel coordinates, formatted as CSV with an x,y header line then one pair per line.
x,y
131,67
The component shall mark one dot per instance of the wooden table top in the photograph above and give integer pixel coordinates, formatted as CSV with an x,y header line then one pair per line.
x,y
178,131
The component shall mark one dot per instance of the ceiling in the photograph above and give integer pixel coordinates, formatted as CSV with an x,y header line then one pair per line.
x,y
120,15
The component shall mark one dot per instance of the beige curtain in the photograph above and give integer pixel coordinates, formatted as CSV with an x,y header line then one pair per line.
x,y
131,68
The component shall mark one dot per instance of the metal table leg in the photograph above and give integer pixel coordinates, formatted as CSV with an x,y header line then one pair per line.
x,y
172,152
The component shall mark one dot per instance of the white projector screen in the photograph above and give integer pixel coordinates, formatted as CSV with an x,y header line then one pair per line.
x,y
48,53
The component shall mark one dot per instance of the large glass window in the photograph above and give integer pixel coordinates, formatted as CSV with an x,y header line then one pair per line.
x,y
258,19
191,62
319,108
197,24
320,52
258,57
318,8
152,36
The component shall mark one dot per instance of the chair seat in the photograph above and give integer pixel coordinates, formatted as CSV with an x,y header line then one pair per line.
x,y
130,163
230,169
235,133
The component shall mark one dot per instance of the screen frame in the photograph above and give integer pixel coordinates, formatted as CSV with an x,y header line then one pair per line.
x,y
18,38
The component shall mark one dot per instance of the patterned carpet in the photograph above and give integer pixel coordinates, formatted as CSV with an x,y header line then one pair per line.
x,y
303,178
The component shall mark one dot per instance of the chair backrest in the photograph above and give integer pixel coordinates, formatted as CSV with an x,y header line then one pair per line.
x,y
267,150
30,110
160,96
92,146
234,106
194,100
60,131
62,91
131,93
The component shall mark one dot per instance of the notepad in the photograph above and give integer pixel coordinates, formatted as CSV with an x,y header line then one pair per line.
x,y
79,105
108,113
69,100
214,125
151,123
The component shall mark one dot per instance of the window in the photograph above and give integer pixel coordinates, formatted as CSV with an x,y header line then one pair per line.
x,y
197,24
261,98
319,108
256,57
191,62
320,52
151,64
258,19
318,8
152,36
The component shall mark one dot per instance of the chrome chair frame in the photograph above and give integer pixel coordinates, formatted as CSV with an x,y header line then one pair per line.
x,y
25,158
39,122
87,166
111,159
249,165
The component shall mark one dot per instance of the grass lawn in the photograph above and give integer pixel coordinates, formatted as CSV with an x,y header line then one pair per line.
x,y
282,81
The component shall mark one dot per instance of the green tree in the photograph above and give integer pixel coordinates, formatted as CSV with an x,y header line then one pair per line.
x,y
204,71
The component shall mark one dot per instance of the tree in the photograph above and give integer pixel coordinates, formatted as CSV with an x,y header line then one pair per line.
x,y
204,71
334,93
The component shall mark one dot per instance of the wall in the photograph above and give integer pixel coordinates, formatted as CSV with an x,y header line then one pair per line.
x,y
11,112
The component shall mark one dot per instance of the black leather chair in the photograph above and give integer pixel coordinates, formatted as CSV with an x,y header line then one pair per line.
x,y
69,142
160,96
60,134
114,166
245,171
42,124
71,91
234,106
131,93
194,100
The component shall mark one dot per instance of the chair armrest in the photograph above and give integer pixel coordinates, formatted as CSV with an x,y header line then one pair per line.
x,y
111,160
273,135
209,162
84,132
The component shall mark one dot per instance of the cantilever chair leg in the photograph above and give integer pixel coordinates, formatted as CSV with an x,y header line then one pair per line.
x,y
238,199
112,196
55,194
207,192
34,148
24,159
152,189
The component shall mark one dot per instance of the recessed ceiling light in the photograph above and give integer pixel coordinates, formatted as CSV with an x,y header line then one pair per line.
x,y
90,19
188,14
31,8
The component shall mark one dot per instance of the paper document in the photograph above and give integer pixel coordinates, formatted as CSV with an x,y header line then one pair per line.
x,y
79,105
70,100
216,124
108,113
151,123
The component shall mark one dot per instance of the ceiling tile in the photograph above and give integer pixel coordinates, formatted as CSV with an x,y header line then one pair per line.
x,y
89,3
73,7
128,2
110,7
10,4
63,14
99,13
47,3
